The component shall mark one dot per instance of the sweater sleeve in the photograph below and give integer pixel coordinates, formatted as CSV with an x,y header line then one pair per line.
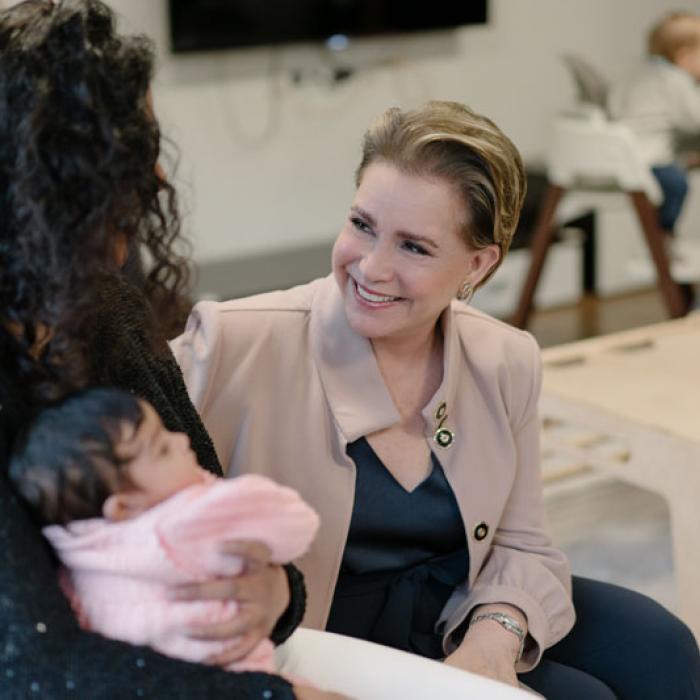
x,y
293,615
43,652
684,96
122,356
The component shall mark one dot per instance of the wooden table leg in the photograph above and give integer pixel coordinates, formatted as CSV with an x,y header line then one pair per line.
x,y
685,521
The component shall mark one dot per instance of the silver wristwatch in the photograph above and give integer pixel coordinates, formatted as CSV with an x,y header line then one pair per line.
x,y
508,623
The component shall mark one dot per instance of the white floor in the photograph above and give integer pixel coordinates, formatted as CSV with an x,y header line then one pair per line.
x,y
614,532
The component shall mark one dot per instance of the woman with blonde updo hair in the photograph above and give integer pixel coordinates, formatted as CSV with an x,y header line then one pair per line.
x,y
409,421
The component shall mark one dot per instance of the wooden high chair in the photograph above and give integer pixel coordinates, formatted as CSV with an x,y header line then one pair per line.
x,y
589,152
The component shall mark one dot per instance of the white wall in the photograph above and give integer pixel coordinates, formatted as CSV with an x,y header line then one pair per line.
x,y
267,164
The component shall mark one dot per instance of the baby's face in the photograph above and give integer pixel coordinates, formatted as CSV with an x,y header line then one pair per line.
x,y
160,463
689,57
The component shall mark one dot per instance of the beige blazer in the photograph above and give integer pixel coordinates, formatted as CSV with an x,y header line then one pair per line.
x,y
283,384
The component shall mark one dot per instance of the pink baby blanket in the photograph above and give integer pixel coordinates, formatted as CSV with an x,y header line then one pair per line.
x,y
117,573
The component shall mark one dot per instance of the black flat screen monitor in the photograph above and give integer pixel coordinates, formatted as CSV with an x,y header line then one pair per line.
x,y
203,25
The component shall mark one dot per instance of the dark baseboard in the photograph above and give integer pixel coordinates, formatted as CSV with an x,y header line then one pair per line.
x,y
252,274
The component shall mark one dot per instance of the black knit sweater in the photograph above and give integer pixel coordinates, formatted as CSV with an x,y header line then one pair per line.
x,y
43,652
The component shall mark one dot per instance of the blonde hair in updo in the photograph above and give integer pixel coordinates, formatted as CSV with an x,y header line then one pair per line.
x,y
449,141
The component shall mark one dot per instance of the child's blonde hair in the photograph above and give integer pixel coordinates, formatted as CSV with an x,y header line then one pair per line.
x,y
673,33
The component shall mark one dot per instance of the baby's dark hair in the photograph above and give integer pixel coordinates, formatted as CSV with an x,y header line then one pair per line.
x,y
66,464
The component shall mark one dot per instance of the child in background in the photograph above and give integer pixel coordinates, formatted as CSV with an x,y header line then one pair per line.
x,y
131,514
662,100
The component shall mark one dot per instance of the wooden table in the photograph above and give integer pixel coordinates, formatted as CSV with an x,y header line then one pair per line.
x,y
638,392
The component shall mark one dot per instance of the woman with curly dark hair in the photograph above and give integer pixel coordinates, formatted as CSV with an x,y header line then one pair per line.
x,y
82,201
79,189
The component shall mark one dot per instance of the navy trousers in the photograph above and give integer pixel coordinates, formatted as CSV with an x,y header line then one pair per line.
x,y
623,645
674,185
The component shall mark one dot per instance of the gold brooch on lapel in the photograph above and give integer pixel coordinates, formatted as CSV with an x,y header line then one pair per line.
x,y
442,436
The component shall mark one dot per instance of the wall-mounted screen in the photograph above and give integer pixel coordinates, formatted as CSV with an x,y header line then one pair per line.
x,y
202,25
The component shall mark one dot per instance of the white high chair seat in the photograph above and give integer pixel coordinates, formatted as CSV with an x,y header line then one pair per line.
x,y
588,151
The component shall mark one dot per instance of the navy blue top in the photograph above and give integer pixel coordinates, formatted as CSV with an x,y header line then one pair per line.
x,y
406,551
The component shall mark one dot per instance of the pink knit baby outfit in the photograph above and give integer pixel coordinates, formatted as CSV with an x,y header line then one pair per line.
x,y
118,573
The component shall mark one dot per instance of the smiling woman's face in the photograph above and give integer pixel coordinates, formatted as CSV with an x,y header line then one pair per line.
x,y
400,258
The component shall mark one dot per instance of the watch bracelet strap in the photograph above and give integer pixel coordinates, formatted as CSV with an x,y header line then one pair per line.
x,y
508,623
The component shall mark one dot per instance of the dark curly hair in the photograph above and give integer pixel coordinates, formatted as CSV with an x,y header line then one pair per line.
x,y
79,146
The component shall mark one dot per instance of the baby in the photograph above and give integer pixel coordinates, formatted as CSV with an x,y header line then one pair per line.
x,y
131,514
660,101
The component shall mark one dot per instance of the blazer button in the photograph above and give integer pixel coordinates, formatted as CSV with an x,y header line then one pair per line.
x,y
481,530
444,438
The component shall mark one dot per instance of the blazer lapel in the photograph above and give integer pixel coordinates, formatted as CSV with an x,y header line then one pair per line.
x,y
352,382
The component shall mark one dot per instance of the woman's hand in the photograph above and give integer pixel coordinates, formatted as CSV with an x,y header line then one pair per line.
x,y
488,649
487,656
261,591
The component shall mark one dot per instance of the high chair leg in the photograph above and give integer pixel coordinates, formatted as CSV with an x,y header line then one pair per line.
x,y
539,247
676,301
